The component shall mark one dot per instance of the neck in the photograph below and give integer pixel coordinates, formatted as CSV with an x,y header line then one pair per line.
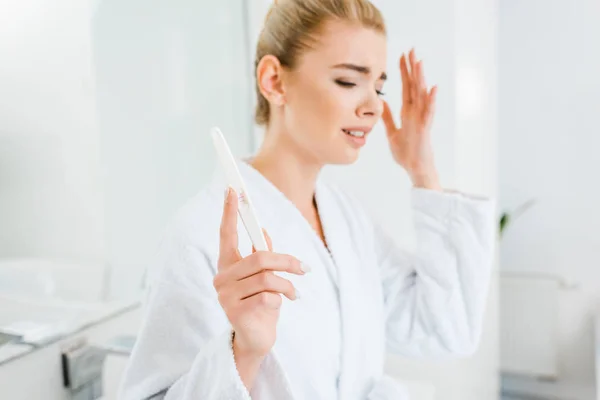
x,y
289,169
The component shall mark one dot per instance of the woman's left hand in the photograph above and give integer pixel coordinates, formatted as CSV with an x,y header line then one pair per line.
x,y
411,143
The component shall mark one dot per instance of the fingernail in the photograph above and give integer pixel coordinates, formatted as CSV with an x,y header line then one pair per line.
x,y
227,193
297,293
305,268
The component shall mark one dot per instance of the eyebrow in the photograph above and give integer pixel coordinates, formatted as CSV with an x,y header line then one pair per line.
x,y
359,68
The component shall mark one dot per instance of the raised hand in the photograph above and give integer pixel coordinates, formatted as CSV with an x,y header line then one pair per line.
x,y
410,143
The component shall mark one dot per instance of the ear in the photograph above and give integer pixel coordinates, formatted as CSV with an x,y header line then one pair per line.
x,y
269,73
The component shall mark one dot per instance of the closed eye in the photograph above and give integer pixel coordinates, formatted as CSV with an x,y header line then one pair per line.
x,y
350,84
344,83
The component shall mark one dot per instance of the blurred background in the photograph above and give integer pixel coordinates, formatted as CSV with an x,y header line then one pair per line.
x,y
105,107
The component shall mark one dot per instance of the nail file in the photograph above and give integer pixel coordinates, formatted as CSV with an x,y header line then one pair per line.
x,y
246,210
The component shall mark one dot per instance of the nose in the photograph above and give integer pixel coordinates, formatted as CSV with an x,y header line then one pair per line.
x,y
372,106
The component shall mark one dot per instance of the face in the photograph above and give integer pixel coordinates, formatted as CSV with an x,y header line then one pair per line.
x,y
332,95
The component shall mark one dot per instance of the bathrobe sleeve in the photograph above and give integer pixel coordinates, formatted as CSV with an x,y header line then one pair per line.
x,y
435,298
184,348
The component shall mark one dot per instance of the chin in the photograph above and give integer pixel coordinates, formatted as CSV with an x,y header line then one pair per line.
x,y
345,158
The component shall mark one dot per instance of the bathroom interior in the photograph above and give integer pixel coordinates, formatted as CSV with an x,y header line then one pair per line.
x,y
105,112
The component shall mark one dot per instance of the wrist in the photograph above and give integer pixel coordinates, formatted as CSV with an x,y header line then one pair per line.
x,y
429,180
247,364
244,354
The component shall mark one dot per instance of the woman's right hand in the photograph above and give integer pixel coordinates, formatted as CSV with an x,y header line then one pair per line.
x,y
249,291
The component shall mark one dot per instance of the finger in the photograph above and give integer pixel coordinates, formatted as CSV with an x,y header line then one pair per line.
x,y
228,244
413,77
421,88
433,94
430,109
413,66
263,299
265,281
268,239
405,80
388,119
421,72
266,260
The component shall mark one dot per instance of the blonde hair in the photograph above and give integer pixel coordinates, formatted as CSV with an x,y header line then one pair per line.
x,y
291,26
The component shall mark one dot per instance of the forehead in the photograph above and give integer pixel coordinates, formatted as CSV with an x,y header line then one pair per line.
x,y
341,42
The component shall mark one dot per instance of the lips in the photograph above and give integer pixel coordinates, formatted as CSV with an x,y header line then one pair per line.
x,y
357,132
356,137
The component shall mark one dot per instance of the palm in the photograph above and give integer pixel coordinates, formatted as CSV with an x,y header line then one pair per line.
x,y
260,328
410,143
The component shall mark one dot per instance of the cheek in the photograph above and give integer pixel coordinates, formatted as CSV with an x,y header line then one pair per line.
x,y
323,106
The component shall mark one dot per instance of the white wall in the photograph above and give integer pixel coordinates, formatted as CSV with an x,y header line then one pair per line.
x,y
50,182
457,41
105,108
549,97
166,72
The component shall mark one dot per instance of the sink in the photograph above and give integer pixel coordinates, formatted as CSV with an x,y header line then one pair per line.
x,y
38,321
7,338
44,300
45,307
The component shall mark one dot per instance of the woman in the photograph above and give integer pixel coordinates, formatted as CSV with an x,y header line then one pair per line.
x,y
221,324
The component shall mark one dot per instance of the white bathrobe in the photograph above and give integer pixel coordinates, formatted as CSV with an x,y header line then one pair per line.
x,y
364,297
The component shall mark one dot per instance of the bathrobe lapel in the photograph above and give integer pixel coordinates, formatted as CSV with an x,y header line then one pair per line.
x,y
339,259
338,229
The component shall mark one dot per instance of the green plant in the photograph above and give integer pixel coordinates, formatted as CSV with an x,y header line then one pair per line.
x,y
508,217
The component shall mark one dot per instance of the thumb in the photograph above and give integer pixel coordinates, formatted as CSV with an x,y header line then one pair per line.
x,y
388,119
